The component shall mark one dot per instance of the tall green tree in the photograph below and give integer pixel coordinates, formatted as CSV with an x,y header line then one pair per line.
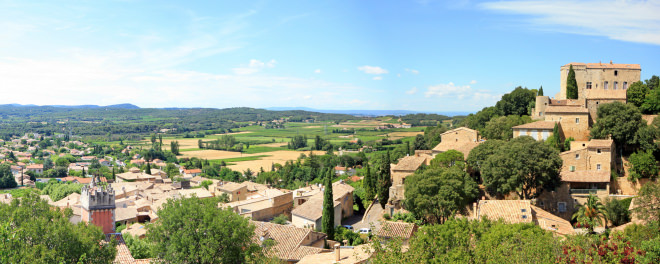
x,y
616,211
7,179
437,193
653,82
621,121
34,232
448,159
571,84
328,218
369,183
192,230
636,93
647,205
148,169
517,102
524,166
643,165
420,142
384,180
500,127
477,157
540,92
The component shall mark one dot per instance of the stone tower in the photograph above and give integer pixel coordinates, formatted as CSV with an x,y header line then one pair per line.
x,y
98,206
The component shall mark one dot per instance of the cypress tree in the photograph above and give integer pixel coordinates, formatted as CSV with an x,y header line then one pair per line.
x,y
148,170
384,180
571,84
113,173
83,172
328,220
540,93
368,182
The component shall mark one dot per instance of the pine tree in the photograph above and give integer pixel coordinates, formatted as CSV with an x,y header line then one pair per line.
x,y
540,93
384,180
328,220
571,84
83,172
148,170
113,173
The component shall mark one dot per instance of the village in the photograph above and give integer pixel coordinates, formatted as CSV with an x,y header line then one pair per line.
x,y
140,187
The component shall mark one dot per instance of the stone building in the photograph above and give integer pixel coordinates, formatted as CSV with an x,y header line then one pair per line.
x,y
599,76
539,130
97,206
574,120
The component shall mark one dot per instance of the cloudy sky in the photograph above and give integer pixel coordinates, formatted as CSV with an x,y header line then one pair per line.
x,y
409,55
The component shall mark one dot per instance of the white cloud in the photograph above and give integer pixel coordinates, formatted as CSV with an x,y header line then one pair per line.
x,y
413,71
254,66
398,75
635,21
317,71
412,91
473,82
372,69
378,78
448,90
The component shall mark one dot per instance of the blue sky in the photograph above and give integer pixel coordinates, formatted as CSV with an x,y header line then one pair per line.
x,y
409,55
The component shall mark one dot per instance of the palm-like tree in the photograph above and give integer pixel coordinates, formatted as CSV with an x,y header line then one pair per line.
x,y
592,213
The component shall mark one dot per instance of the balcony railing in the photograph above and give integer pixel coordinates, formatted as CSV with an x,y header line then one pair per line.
x,y
587,191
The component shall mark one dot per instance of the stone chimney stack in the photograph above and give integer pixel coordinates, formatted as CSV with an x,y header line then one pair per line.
x,y
337,252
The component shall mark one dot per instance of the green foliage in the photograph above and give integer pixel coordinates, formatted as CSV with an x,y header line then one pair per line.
x,y
57,191
140,248
431,137
500,127
636,93
653,82
481,152
354,239
298,141
328,218
616,211
280,220
6,177
540,92
567,143
524,166
591,214
406,217
619,120
642,165
384,179
174,147
448,159
370,183
571,84
646,204
33,232
478,121
435,194
517,102
651,103
192,230
206,183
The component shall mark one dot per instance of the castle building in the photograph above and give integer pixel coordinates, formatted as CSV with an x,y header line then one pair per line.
x,y
97,205
599,77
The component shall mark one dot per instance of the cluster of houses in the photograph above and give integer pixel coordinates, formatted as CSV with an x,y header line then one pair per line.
x,y
587,166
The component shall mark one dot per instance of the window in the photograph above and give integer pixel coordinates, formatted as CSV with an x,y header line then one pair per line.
x,y
605,85
524,216
598,151
616,73
546,134
615,85
625,85
561,207
577,120
577,156
572,168
523,132
597,166
588,85
523,210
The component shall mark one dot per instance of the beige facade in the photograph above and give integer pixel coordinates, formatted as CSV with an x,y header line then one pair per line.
x,y
574,121
599,76
598,155
539,130
235,191
461,134
265,208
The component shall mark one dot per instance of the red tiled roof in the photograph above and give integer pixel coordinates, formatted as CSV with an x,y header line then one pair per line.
x,y
537,125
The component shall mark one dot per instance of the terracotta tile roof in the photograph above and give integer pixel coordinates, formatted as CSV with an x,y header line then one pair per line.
x,y
389,229
600,143
585,176
348,255
199,192
288,240
537,125
230,186
551,222
460,128
409,163
126,214
566,109
606,65
340,168
511,211
35,166
88,180
124,255
137,230
192,171
312,209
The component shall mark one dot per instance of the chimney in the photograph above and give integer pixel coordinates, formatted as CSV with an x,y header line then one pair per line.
x,y
483,197
611,62
337,253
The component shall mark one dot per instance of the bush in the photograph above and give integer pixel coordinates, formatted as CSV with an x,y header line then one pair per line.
x,y
280,220
387,216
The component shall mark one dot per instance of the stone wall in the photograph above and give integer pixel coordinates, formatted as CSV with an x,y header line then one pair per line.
x,y
575,125
460,135
597,77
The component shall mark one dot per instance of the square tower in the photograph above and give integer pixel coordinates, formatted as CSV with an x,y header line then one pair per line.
x,y
98,206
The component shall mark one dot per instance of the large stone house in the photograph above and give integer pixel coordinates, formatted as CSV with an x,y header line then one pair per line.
x,y
599,76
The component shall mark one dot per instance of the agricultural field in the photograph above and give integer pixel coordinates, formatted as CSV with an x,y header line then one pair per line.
x,y
268,146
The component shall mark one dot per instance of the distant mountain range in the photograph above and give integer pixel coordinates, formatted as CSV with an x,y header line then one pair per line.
x,y
120,106
366,112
